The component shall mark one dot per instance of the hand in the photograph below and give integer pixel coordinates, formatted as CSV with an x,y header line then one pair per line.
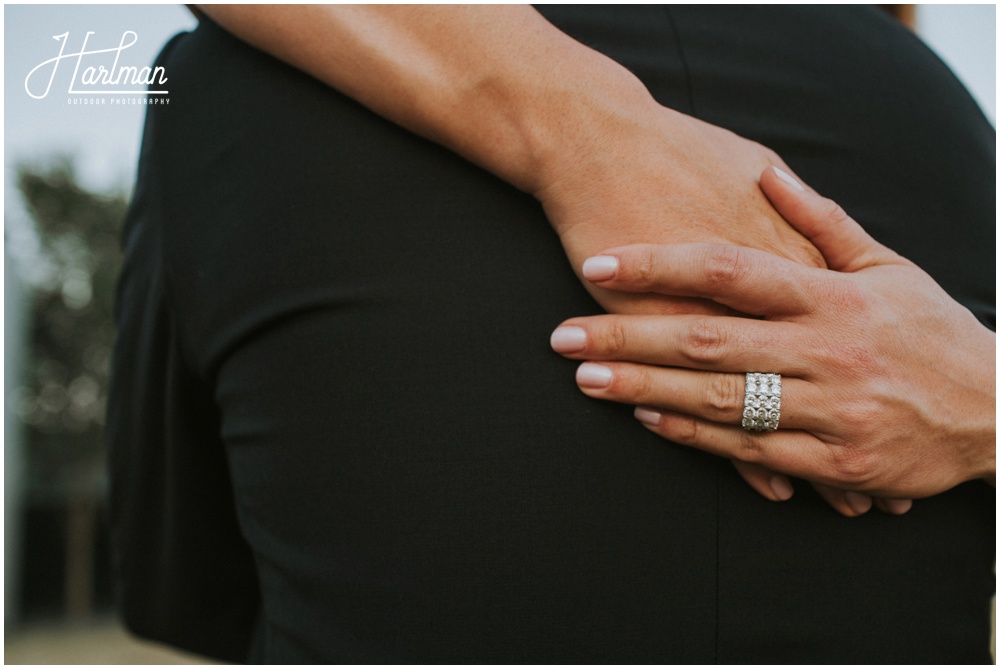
x,y
888,383
653,175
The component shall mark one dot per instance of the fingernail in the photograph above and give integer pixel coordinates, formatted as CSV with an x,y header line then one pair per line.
x,y
600,268
898,506
590,375
781,487
568,339
788,178
648,416
860,503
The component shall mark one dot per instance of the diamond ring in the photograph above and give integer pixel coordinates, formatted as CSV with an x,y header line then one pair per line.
x,y
762,402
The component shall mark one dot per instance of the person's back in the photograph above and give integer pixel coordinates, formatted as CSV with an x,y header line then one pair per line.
x,y
357,319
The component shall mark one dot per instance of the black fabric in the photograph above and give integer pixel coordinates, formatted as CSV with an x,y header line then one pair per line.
x,y
185,574
335,411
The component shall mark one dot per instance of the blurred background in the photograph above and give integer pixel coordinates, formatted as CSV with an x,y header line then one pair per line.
x,y
68,169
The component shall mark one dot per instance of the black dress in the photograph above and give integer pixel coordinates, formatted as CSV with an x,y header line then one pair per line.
x,y
338,432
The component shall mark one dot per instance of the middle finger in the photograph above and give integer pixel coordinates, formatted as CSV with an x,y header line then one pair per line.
x,y
713,396
717,343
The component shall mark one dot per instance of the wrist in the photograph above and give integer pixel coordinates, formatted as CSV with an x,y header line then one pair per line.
x,y
532,123
581,124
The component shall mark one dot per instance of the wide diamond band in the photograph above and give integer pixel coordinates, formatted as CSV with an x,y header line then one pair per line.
x,y
762,402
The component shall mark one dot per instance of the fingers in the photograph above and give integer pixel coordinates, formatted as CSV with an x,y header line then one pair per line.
x,y
896,507
698,342
794,452
790,451
771,485
844,243
712,396
853,504
845,502
747,280
778,488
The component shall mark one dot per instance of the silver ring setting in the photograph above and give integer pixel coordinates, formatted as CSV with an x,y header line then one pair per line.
x,y
762,402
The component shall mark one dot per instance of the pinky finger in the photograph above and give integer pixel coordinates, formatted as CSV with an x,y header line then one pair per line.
x,y
793,452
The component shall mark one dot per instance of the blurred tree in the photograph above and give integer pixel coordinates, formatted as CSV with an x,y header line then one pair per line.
x,y
71,334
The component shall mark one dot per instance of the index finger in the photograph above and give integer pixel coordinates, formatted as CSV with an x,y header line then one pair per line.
x,y
748,280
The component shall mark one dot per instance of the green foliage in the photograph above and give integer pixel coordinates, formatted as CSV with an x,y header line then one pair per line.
x,y
71,330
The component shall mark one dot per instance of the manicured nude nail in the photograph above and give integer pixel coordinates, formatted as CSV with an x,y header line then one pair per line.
x,y
600,268
781,487
860,503
788,178
590,375
568,339
648,416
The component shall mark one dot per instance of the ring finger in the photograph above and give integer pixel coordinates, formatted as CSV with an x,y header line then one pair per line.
x,y
714,396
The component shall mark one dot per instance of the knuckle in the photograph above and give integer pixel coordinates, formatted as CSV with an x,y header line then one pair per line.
x,y
642,386
682,429
834,213
631,384
641,267
725,265
749,447
724,395
854,467
858,415
705,342
613,340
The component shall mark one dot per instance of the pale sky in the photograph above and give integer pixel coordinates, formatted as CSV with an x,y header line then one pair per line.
x,y
965,37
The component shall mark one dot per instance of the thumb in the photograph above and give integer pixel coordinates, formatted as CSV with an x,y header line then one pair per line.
x,y
841,240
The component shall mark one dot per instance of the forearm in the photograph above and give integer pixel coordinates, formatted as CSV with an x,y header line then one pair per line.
x,y
497,84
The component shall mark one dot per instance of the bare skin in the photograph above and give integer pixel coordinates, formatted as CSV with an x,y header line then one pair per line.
x,y
888,383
